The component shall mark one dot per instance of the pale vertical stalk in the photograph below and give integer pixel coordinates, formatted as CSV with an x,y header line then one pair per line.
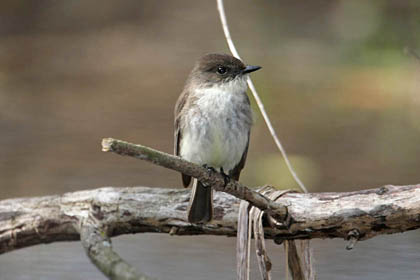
x,y
235,53
286,259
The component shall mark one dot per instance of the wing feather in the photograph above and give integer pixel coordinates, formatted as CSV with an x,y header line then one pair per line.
x,y
236,171
186,180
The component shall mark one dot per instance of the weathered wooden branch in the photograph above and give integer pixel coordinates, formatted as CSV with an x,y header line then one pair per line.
x,y
30,221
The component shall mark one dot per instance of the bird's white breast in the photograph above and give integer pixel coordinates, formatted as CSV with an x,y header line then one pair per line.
x,y
217,126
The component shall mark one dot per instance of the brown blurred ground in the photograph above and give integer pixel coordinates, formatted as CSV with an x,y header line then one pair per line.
x,y
342,94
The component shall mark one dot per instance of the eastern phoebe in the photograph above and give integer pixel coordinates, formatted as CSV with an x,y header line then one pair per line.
x,y
213,120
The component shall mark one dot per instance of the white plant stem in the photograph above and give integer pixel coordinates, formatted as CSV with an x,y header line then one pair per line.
x,y
257,98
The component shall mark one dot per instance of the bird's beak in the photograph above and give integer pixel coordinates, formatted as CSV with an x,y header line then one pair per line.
x,y
250,68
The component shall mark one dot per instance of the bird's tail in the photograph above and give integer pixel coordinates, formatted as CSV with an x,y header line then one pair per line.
x,y
200,208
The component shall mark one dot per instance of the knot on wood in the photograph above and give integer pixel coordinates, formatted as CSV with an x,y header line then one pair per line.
x,y
173,230
281,221
278,239
96,211
352,237
382,190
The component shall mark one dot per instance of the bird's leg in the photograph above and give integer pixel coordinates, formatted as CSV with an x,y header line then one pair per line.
x,y
226,177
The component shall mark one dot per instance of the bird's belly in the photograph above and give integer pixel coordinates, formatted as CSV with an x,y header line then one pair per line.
x,y
215,144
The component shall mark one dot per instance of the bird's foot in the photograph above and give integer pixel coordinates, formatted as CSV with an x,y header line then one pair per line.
x,y
210,170
226,178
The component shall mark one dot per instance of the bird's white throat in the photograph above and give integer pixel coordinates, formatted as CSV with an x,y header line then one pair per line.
x,y
236,86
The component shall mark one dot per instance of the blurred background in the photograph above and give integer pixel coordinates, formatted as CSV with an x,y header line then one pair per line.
x,y
338,82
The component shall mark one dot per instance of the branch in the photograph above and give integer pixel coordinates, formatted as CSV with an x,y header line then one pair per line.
x,y
302,219
215,179
98,247
30,221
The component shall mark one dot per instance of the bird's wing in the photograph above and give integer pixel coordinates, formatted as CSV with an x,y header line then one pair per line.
x,y
236,171
178,131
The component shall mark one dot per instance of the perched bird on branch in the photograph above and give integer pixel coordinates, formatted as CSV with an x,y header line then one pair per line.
x,y
213,120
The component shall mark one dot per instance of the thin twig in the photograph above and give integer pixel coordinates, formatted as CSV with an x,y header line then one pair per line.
x,y
235,53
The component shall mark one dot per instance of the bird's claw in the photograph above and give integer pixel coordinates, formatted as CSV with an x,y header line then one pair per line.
x,y
210,169
226,178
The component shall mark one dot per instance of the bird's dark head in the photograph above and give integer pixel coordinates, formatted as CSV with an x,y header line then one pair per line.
x,y
220,68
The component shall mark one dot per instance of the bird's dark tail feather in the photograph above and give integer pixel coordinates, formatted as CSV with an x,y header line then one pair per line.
x,y
200,208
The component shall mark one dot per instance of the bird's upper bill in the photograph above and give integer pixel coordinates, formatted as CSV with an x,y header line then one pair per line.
x,y
250,68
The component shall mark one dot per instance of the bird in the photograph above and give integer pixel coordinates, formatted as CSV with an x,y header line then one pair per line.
x,y
212,125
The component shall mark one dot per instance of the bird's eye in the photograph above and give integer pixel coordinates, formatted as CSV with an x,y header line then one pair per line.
x,y
221,70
